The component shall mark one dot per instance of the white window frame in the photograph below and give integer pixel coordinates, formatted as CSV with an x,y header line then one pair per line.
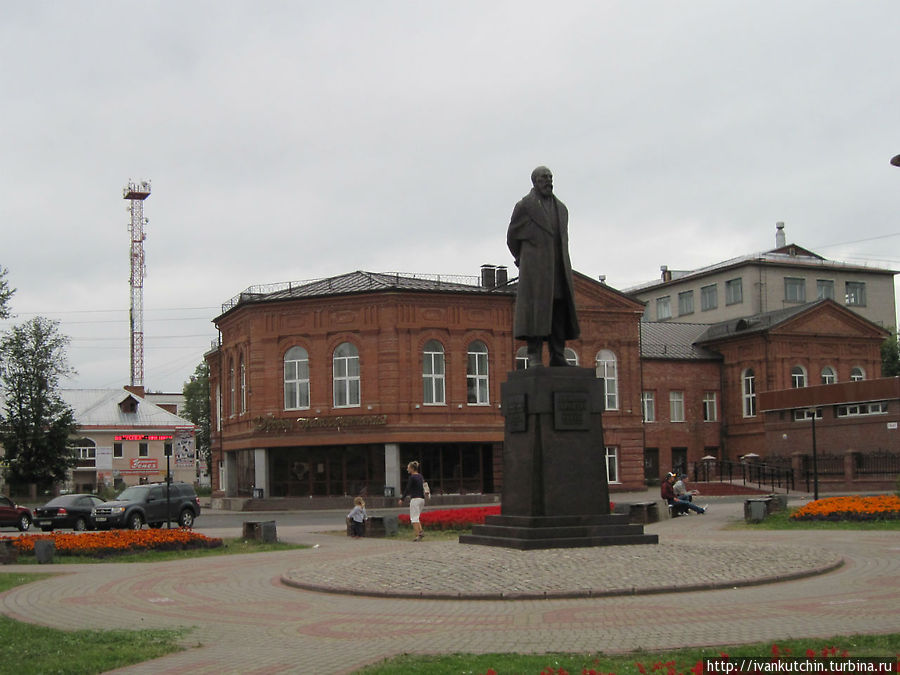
x,y
232,403
243,373
685,303
857,374
612,464
606,366
794,289
855,293
798,377
734,291
346,376
710,407
296,378
824,289
648,406
434,390
862,409
571,356
709,297
477,374
676,406
829,375
522,358
663,308
804,415
748,392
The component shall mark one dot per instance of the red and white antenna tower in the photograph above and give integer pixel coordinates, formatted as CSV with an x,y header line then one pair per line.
x,y
137,193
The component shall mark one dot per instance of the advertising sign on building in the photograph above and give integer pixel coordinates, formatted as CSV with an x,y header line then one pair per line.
x,y
142,466
185,453
104,459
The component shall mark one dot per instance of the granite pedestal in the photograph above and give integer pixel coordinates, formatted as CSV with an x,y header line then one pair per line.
x,y
555,490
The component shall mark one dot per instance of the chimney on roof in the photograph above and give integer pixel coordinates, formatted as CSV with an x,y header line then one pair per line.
x,y
488,276
502,276
779,235
493,276
666,274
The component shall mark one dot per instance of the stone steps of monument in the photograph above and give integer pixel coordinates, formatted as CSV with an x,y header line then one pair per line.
x,y
490,530
561,542
557,521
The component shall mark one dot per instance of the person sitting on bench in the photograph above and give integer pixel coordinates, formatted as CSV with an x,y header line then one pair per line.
x,y
679,505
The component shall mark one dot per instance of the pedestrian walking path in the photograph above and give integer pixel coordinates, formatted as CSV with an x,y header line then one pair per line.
x,y
240,617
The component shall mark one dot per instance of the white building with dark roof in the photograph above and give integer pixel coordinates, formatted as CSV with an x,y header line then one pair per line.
x,y
787,276
124,439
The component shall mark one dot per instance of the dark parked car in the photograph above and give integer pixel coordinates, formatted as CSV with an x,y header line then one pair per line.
x,y
141,504
12,515
67,511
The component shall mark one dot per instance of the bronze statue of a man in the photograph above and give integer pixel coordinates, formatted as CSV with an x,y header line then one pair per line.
x,y
538,238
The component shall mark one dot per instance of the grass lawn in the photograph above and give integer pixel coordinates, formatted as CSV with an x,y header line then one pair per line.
x,y
625,664
782,521
27,649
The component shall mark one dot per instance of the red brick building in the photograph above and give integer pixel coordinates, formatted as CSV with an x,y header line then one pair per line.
x,y
329,387
817,343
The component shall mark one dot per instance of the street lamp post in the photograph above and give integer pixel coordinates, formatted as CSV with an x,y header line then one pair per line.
x,y
812,411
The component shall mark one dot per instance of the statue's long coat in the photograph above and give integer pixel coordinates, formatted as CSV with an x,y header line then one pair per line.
x,y
530,240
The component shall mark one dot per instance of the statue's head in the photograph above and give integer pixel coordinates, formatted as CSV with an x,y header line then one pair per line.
x,y
542,179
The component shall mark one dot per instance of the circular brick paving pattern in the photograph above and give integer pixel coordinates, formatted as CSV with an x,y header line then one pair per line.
x,y
457,571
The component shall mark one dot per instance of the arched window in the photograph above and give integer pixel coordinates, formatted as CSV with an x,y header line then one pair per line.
x,y
798,377
477,374
571,357
748,391
521,358
828,376
857,374
232,388
433,373
606,368
243,386
346,376
296,379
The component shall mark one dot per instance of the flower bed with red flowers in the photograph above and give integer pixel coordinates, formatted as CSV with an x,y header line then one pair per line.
x,y
457,519
879,507
453,519
111,542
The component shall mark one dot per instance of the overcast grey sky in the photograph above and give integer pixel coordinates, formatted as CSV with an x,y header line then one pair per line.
x,y
295,140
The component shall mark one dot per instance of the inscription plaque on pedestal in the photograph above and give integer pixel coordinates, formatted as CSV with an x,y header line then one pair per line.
x,y
571,411
516,413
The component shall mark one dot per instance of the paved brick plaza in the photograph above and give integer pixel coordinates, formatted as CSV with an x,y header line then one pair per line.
x,y
244,619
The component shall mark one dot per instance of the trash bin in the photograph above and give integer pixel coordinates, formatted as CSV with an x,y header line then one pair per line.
x,y
260,530
755,510
388,490
257,493
44,550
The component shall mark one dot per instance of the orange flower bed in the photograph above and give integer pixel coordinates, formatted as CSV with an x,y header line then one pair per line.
x,y
880,507
110,542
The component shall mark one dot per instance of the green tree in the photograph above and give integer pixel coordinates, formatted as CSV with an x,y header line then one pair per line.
x,y
6,293
890,357
35,422
196,406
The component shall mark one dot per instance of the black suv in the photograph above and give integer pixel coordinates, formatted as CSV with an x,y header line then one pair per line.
x,y
141,504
